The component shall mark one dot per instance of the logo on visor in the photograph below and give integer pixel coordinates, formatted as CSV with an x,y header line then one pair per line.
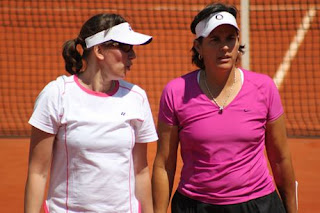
x,y
219,17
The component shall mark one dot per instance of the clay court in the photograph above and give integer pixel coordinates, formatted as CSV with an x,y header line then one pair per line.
x,y
14,158
284,43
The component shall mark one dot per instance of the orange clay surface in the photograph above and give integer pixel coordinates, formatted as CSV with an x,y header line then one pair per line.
x,y
14,159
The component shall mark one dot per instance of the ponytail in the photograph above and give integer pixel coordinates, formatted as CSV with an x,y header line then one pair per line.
x,y
72,56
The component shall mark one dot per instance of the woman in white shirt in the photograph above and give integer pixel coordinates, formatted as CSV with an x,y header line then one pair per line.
x,y
91,128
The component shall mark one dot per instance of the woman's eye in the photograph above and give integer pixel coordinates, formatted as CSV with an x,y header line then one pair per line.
x,y
215,39
232,37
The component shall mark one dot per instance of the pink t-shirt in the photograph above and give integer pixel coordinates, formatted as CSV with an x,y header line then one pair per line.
x,y
223,154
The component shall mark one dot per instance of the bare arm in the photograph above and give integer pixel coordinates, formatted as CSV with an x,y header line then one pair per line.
x,y
164,167
39,162
280,161
143,183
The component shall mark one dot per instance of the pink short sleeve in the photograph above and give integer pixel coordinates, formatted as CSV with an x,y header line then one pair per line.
x,y
274,102
167,109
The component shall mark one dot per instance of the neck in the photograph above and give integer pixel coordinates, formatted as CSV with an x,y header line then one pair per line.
x,y
96,82
219,80
220,96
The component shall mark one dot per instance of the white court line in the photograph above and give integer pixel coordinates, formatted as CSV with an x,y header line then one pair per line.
x,y
294,46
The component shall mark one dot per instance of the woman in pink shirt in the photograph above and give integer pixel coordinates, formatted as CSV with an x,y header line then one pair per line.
x,y
223,117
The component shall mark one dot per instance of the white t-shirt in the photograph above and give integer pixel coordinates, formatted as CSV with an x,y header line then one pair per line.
x,y
92,167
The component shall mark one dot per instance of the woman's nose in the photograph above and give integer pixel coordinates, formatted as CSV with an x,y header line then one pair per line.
x,y
224,46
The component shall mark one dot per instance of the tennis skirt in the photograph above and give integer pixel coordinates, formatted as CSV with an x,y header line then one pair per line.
x,y
267,204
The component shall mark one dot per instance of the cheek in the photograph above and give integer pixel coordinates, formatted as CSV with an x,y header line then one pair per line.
x,y
114,56
237,44
236,49
113,62
211,50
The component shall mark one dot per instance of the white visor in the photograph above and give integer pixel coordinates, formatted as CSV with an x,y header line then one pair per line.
x,y
121,33
205,26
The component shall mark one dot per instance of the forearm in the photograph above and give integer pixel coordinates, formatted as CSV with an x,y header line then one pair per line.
x,y
164,166
143,190
280,160
34,193
285,181
162,183
39,164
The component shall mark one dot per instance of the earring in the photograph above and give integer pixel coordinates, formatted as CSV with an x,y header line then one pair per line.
x,y
199,57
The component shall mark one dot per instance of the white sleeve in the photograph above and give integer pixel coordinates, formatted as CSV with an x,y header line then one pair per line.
x,y
46,112
146,132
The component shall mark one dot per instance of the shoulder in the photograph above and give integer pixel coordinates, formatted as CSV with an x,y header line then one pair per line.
x,y
56,87
61,81
264,86
178,84
258,80
132,89
51,95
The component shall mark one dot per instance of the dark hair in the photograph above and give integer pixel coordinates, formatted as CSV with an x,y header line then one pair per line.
x,y
203,14
72,55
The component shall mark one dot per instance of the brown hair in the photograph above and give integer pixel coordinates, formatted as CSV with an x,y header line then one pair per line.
x,y
75,52
203,14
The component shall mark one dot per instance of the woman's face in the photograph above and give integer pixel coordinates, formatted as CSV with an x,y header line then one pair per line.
x,y
117,61
220,49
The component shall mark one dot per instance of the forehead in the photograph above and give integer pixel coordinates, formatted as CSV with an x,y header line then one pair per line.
x,y
224,29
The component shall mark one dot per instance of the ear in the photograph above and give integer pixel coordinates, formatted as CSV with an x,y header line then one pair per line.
x,y
197,46
98,52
